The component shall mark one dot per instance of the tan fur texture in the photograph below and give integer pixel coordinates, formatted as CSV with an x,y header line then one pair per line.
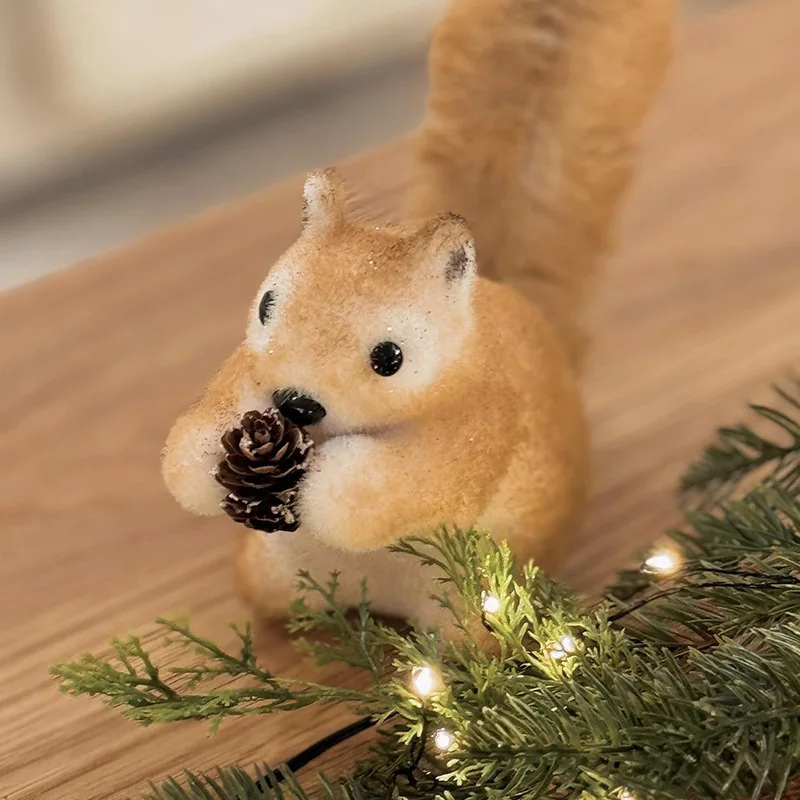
x,y
531,132
533,108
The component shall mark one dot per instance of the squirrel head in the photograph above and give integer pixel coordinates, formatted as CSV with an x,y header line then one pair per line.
x,y
355,325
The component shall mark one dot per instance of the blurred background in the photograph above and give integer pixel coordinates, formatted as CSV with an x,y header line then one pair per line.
x,y
121,116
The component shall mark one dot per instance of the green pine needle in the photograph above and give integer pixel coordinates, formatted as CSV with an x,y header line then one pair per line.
x,y
228,783
740,452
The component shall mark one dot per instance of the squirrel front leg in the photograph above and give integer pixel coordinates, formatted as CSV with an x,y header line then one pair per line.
x,y
365,492
193,448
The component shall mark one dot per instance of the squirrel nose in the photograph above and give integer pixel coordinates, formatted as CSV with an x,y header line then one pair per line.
x,y
298,408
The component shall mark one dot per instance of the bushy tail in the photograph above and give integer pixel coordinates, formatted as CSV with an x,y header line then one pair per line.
x,y
530,134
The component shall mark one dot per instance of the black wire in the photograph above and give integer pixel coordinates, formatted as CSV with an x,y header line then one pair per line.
x,y
322,746
317,749
409,770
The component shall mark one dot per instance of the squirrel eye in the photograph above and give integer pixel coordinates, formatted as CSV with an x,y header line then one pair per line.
x,y
265,306
386,358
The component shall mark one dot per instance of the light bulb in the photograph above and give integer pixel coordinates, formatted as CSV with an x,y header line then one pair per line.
x,y
662,562
443,739
561,648
491,603
568,644
424,681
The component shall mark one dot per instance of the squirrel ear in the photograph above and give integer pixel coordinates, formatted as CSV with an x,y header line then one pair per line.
x,y
451,241
324,200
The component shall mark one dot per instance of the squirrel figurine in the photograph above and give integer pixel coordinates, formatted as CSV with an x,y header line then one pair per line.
x,y
436,364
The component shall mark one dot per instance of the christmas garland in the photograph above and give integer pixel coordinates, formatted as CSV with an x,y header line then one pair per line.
x,y
683,682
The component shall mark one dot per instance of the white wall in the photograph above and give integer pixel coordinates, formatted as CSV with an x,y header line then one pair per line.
x,y
113,72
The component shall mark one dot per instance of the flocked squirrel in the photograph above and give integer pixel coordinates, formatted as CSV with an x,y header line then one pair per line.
x,y
436,364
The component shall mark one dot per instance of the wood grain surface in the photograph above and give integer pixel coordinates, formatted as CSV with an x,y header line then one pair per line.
x,y
699,313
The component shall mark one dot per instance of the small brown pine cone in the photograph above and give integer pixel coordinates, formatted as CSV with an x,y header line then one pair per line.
x,y
265,458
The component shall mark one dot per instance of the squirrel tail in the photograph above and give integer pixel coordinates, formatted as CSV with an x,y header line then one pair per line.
x,y
530,135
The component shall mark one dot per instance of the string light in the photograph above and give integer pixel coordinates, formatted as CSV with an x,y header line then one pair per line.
x,y
424,681
490,603
562,648
568,644
663,562
443,739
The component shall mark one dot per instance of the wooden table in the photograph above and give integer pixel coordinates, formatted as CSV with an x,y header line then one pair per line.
x,y
700,312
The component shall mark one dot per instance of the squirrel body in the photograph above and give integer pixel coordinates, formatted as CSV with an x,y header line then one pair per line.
x,y
438,361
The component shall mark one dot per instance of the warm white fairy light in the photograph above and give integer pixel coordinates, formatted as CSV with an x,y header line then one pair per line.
x,y
424,681
625,794
490,603
663,562
443,739
566,645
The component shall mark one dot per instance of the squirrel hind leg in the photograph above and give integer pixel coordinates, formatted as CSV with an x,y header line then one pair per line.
x,y
263,581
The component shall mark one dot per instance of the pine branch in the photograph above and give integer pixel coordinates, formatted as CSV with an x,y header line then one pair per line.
x,y
131,680
740,569
740,452
236,783
227,783
362,643
455,560
542,719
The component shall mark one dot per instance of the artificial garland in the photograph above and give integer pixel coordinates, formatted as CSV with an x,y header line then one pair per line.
x,y
684,682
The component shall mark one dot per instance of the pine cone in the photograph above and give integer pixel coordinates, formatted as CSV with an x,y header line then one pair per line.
x,y
265,458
